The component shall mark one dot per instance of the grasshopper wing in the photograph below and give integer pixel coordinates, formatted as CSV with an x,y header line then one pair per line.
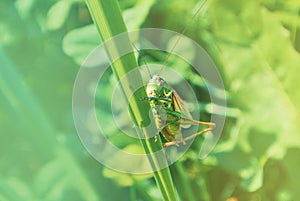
x,y
179,106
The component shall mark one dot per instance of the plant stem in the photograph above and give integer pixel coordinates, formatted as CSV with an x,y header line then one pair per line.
x,y
182,180
109,22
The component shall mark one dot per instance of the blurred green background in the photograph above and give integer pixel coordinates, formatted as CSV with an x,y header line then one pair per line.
x,y
255,45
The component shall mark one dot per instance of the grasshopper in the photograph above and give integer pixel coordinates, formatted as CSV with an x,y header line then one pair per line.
x,y
170,113
168,108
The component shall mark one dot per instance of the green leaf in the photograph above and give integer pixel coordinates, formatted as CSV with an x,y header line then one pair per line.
x,y
291,162
254,182
80,42
268,100
24,7
134,17
14,189
262,68
58,14
49,176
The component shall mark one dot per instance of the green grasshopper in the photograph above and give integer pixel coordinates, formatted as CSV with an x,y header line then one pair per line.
x,y
168,108
170,113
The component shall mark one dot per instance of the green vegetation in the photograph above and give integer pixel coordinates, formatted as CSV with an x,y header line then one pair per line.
x,y
255,45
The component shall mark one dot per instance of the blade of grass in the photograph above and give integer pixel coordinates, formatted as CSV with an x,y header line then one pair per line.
x,y
109,22
182,180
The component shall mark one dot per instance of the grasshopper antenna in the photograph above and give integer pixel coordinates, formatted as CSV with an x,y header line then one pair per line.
x,y
143,59
178,39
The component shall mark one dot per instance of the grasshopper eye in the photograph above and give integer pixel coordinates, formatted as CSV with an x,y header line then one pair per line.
x,y
161,81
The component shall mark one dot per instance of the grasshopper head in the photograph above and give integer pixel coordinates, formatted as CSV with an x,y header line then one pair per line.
x,y
157,80
155,85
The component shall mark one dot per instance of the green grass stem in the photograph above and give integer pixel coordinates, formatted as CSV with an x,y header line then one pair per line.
x,y
109,22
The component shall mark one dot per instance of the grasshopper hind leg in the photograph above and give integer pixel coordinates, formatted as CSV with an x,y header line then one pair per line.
x,y
210,125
